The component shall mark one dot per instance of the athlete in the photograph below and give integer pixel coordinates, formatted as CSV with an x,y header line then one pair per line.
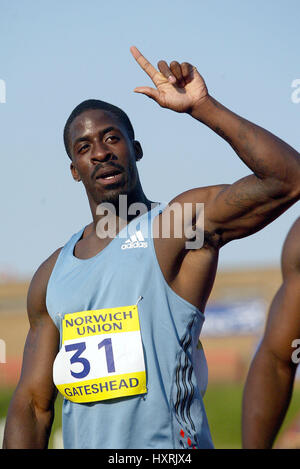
x,y
270,380
115,318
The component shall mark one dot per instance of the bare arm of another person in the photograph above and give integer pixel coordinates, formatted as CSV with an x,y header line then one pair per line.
x,y
31,410
270,380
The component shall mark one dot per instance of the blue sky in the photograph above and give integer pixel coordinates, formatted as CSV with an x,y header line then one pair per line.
x,y
56,54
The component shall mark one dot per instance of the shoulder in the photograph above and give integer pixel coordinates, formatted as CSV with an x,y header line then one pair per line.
x,y
290,258
196,209
193,202
202,199
36,299
205,194
44,271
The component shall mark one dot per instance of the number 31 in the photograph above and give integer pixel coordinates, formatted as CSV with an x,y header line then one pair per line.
x,y
80,348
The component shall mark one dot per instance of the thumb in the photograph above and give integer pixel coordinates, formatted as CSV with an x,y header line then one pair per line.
x,y
150,92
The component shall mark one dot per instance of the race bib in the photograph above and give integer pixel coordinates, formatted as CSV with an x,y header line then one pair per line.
x,y
101,356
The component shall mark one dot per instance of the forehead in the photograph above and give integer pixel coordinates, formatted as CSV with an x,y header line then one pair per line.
x,y
91,121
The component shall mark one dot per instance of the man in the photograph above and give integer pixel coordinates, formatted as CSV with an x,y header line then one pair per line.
x,y
269,384
126,313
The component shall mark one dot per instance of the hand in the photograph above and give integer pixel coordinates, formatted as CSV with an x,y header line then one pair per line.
x,y
179,87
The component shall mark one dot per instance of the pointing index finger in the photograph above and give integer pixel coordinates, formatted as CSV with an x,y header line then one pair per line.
x,y
143,62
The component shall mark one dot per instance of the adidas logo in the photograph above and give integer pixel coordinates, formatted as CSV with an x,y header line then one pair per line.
x,y
135,241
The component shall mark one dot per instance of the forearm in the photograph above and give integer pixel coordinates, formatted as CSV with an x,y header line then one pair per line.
x,y
266,398
266,155
27,427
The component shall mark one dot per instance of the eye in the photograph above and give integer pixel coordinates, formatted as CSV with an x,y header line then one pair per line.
x,y
83,148
112,139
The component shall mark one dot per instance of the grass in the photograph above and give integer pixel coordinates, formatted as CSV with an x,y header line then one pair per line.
x,y
223,406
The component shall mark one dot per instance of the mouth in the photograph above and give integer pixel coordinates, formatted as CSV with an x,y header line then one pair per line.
x,y
109,176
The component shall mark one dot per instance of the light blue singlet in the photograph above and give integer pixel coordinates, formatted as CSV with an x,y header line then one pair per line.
x,y
171,414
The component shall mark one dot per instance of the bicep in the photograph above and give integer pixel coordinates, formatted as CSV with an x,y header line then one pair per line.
x,y
233,211
42,342
244,207
40,350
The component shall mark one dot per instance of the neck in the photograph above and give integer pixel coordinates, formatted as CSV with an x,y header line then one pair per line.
x,y
109,217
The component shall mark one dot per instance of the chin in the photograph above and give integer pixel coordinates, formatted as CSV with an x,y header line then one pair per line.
x,y
111,196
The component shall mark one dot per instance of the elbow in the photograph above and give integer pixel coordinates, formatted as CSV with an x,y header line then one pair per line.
x,y
287,190
285,183
294,184
43,414
294,191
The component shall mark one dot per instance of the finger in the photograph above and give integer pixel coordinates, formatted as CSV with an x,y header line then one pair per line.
x,y
187,71
177,72
150,92
143,62
165,70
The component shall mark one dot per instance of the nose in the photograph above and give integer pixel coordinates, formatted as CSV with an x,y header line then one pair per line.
x,y
101,153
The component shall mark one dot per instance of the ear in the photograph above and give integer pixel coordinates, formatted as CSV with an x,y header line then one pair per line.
x,y
74,172
138,150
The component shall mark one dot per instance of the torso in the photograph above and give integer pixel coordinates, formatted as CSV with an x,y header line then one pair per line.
x,y
91,275
191,275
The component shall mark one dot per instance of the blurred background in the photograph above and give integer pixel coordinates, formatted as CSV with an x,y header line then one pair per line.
x,y
55,55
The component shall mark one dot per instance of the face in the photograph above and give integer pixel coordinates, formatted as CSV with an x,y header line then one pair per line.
x,y
103,156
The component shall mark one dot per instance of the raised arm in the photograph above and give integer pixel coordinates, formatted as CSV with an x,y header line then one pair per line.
x,y
31,410
270,380
236,210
